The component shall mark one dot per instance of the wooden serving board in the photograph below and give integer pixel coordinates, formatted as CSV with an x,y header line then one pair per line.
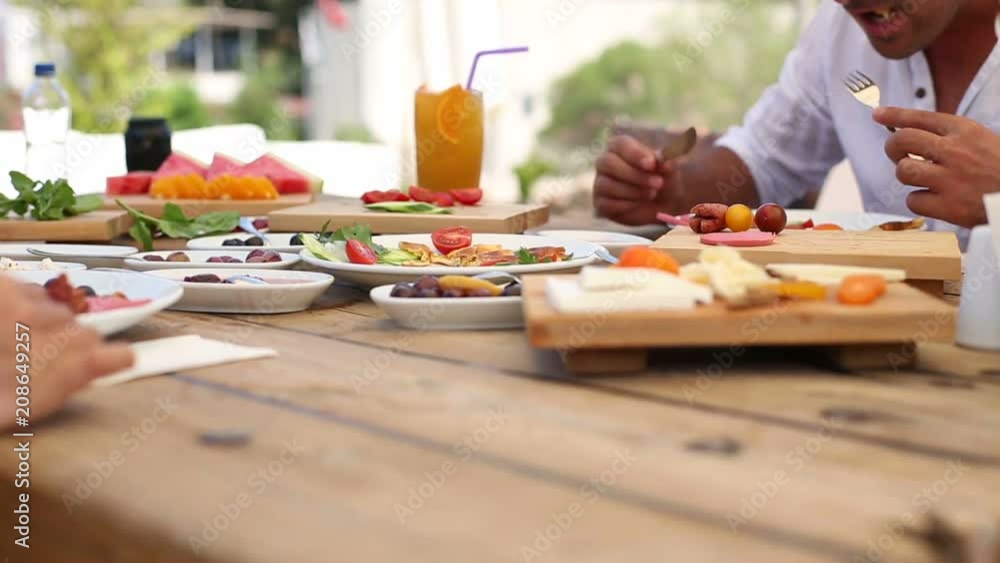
x,y
615,341
96,226
924,255
341,212
248,208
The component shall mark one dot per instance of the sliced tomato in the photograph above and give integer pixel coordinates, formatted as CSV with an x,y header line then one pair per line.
x,y
444,200
422,194
396,195
360,253
451,239
374,196
468,196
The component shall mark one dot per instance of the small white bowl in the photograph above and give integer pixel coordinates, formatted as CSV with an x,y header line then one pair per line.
x,y
280,242
161,293
90,255
458,313
616,243
199,259
247,299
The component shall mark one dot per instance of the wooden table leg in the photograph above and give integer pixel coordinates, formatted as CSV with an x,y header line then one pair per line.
x,y
605,362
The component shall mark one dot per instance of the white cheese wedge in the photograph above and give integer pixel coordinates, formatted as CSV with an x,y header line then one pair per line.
x,y
730,275
594,279
566,295
827,274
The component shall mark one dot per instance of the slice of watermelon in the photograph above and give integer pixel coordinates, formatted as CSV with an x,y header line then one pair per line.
x,y
287,179
222,164
134,183
180,164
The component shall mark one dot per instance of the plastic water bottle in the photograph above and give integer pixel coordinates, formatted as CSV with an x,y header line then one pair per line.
x,y
45,108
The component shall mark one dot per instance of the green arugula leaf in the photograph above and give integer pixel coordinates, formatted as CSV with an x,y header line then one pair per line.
x,y
524,256
141,233
24,186
174,224
46,201
362,233
86,204
53,199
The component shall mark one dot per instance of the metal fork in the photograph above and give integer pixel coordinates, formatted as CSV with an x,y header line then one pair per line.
x,y
866,91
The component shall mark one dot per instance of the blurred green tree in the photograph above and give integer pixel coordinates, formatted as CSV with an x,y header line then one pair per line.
x,y
707,75
179,103
109,45
260,101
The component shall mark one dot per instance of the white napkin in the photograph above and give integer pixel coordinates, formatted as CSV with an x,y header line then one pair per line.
x,y
993,216
167,355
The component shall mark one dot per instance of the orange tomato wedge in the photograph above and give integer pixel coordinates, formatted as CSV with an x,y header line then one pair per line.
x,y
828,227
451,113
643,257
861,289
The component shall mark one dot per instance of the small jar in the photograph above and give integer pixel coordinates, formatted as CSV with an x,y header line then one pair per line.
x,y
147,143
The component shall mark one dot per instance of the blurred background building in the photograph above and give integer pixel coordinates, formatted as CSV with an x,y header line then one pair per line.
x,y
347,69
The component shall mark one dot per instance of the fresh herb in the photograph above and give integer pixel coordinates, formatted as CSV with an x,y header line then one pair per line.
x,y
408,207
174,224
46,201
524,256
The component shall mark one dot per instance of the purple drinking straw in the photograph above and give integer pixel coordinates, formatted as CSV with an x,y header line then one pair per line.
x,y
475,62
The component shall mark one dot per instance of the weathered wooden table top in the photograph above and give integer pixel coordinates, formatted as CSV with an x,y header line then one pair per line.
x,y
366,442
371,443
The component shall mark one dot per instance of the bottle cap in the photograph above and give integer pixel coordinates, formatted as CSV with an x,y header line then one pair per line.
x,y
45,69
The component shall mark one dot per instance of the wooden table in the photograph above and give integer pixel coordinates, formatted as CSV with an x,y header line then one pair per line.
x,y
370,443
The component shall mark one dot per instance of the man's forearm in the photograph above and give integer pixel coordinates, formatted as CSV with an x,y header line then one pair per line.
x,y
717,175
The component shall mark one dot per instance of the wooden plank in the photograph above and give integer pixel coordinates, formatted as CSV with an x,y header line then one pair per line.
x,y
96,226
251,208
344,487
754,384
342,212
925,255
568,430
896,317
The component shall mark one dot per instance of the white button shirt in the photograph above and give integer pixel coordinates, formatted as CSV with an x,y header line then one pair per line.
x,y
808,122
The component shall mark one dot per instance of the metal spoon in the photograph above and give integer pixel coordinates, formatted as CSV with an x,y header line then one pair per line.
x,y
603,254
47,254
247,225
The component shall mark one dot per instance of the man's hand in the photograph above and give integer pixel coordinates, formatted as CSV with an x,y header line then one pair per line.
x,y
963,163
632,184
65,357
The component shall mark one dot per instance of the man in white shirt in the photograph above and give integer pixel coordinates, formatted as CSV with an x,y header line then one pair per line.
x,y
937,58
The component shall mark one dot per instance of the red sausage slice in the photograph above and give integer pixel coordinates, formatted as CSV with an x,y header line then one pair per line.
x,y
746,238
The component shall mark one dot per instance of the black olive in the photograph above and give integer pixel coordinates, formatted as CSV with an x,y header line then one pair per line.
x,y
451,293
232,242
203,278
178,257
87,290
428,293
153,258
426,282
255,253
296,241
254,241
512,290
49,283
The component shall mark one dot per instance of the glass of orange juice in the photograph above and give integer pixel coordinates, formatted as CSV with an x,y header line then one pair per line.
x,y
449,127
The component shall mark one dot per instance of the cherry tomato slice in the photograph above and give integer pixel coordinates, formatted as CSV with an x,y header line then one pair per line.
x,y
360,253
396,195
468,196
451,239
422,194
374,196
444,200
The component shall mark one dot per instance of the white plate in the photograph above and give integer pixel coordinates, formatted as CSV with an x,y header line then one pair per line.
x,y
380,274
199,259
19,252
848,220
616,243
163,293
91,255
279,242
461,313
247,299
29,266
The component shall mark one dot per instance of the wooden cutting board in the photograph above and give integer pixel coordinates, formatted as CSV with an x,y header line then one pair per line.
x,y
924,255
611,341
96,226
341,212
249,208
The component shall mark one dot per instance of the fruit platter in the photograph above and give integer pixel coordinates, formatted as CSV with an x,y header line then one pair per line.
x,y
258,187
